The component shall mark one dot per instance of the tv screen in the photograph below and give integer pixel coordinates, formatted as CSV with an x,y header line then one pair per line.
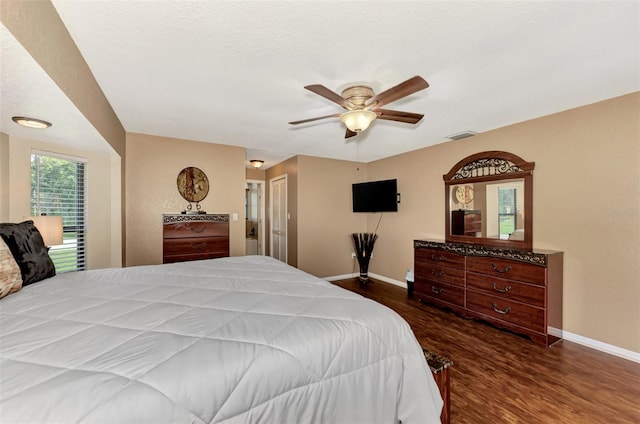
x,y
375,196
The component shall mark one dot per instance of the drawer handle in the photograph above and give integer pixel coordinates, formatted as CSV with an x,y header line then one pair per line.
x,y
500,311
436,291
437,274
504,290
196,230
436,258
198,246
503,270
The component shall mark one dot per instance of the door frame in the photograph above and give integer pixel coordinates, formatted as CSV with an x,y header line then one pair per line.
x,y
286,220
261,213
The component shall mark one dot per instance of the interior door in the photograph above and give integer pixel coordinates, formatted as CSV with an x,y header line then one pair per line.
x,y
278,213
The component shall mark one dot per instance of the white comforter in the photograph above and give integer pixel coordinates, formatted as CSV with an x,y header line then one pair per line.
x,y
243,339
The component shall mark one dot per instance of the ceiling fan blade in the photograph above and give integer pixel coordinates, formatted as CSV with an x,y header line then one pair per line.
x,y
323,91
401,90
395,115
302,121
350,134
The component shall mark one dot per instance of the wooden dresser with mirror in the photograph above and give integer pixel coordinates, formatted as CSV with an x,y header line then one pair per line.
x,y
486,268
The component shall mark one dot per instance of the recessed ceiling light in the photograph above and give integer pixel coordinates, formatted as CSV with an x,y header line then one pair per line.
x,y
31,122
461,135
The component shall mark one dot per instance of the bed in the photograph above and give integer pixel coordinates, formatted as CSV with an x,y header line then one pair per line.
x,y
241,339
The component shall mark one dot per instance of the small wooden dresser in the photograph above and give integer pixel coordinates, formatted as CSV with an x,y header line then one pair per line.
x,y
465,222
517,290
193,237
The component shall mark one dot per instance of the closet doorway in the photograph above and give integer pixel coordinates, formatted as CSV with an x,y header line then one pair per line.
x,y
278,217
254,217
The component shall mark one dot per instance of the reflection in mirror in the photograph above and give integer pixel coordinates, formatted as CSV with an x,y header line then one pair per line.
x,y
493,209
489,200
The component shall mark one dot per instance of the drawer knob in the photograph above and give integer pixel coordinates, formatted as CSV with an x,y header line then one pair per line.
x,y
436,258
501,270
501,311
437,274
436,291
504,290
196,230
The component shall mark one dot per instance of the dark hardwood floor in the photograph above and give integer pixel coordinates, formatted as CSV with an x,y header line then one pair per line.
x,y
500,377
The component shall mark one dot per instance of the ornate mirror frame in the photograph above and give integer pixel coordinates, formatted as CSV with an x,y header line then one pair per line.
x,y
488,167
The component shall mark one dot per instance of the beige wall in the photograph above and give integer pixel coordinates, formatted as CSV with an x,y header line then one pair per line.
x,y
255,174
103,179
289,168
325,217
586,203
153,164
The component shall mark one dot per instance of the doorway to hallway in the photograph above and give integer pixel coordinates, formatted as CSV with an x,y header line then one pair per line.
x,y
254,213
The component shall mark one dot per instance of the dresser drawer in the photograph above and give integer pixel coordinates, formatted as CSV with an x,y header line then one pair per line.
x,y
439,292
507,289
195,229
508,269
435,272
188,237
167,259
472,217
195,246
440,257
526,316
473,226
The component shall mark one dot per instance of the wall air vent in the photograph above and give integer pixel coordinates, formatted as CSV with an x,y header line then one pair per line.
x,y
461,135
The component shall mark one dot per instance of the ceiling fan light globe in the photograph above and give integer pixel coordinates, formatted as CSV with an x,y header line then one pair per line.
x,y
358,120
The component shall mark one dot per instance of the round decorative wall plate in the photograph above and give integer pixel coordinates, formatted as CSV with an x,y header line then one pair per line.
x,y
193,184
463,194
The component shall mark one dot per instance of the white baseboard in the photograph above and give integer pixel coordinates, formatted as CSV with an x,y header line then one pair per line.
x,y
555,332
402,284
340,277
602,347
566,335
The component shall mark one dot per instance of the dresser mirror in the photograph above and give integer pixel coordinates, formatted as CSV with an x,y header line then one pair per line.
x,y
489,200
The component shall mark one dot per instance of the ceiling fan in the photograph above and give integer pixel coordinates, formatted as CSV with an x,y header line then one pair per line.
x,y
363,106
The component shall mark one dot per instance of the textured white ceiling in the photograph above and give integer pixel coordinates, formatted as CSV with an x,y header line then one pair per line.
x,y
27,90
232,72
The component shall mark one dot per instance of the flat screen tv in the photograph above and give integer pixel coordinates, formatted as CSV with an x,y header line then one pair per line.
x,y
375,196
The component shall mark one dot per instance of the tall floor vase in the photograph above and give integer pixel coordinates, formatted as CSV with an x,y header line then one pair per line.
x,y
363,244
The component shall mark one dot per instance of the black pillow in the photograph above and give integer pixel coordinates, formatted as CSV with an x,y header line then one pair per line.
x,y
28,249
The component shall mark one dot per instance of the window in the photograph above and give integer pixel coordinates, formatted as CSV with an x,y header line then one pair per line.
x,y
507,213
58,188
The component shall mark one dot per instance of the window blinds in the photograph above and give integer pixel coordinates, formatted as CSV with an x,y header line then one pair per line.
x,y
58,188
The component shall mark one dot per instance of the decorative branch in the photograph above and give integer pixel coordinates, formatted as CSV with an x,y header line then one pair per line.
x,y
363,244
